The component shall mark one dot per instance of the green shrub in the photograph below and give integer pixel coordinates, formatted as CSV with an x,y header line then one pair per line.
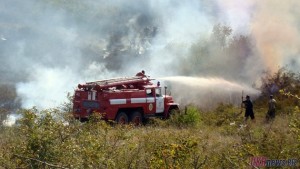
x,y
224,114
189,117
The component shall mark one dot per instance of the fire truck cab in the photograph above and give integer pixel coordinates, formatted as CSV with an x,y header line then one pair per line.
x,y
124,100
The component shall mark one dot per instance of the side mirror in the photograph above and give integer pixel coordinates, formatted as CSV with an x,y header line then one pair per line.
x,y
165,90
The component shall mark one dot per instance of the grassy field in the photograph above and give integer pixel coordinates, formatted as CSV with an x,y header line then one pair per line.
x,y
191,139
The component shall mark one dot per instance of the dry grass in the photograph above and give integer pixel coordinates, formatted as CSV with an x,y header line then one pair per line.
x,y
211,142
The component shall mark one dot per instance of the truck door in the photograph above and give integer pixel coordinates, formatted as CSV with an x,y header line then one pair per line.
x,y
159,99
151,100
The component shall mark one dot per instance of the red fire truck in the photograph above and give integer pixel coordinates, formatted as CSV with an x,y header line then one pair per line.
x,y
124,100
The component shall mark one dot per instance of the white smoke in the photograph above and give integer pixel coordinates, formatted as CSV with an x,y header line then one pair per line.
x,y
237,13
11,120
48,47
48,87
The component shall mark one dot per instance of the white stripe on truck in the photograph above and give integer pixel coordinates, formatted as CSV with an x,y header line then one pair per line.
x,y
117,101
138,100
150,100
133,100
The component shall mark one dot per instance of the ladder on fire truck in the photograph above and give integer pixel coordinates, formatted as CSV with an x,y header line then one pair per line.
x,y
115,82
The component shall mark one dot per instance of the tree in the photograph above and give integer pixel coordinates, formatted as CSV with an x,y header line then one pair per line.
x,y
220,34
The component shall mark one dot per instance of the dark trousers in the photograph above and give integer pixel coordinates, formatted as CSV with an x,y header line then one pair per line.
x,y
249,113
271,114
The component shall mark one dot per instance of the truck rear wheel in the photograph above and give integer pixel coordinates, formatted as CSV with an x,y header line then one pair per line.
x,y
136,118
122,118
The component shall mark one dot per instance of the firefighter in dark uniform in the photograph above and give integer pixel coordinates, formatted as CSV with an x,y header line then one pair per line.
x,y
271,110
248,108
142,73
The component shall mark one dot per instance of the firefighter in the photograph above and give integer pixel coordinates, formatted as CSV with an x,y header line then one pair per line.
x,y
142,73
271,109
248,108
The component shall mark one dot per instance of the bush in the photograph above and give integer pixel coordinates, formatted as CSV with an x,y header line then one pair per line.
x,y
224,114
189,118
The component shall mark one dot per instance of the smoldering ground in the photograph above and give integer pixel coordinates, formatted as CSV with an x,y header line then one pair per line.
x,y
48,47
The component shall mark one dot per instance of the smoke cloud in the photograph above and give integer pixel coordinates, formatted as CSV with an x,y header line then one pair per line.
x,y
275,26
48,47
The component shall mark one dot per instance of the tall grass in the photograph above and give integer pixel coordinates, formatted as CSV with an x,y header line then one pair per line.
x,y
190,139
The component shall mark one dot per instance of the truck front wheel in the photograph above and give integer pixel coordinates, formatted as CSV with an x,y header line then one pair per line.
x,y
172,110
122,118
